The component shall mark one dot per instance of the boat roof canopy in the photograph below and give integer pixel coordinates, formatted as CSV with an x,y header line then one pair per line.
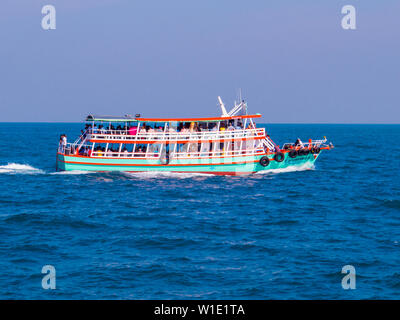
x,y
125,118
198,119
128,118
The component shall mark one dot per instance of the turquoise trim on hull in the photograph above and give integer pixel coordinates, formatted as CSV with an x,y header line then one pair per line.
x,y
231,165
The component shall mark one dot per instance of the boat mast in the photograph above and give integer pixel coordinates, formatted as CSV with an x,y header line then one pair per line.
x,y
222,106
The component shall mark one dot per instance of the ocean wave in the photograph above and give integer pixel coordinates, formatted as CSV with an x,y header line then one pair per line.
x,y
391,203
166,174
17,168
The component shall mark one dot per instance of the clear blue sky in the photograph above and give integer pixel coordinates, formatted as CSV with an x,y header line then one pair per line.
x,y
292,59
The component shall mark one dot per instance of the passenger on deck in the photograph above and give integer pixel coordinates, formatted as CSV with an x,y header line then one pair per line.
x,y
299,143
61,145
231,127
150,129
64,140
203,127
140,152
132,131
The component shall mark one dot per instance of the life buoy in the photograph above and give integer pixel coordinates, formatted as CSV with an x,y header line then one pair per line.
x,y
264,161
317,150
293,153
279,157
306,151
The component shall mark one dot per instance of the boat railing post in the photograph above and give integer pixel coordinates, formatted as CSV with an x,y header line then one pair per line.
x,y
119,150
164,139
216,137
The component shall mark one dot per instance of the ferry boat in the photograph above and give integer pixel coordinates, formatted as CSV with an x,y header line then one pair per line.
x,y
230,144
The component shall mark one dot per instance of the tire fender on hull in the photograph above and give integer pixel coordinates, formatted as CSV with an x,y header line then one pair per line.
x,y
264,161
279,157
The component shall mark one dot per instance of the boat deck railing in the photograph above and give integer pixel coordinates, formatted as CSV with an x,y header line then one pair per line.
x,y
123,135
72,148
307,145
177,155
211,150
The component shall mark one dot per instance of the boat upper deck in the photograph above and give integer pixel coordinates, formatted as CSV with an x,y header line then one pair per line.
x,y
171,135
100,129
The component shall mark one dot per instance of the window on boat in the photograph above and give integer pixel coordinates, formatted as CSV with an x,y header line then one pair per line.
x,y
151,127
153,149
99,149
140,150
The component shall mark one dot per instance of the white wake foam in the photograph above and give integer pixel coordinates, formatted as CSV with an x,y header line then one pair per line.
x,y
73,172
17,168
306,166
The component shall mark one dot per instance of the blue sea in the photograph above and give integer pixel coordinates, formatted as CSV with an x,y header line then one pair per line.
x,y
280,235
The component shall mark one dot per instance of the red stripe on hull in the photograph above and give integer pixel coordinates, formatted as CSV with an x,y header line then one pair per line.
x,y
217,173
156,165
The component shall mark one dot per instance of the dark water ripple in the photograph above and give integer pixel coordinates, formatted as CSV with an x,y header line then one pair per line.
x,y
266,236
